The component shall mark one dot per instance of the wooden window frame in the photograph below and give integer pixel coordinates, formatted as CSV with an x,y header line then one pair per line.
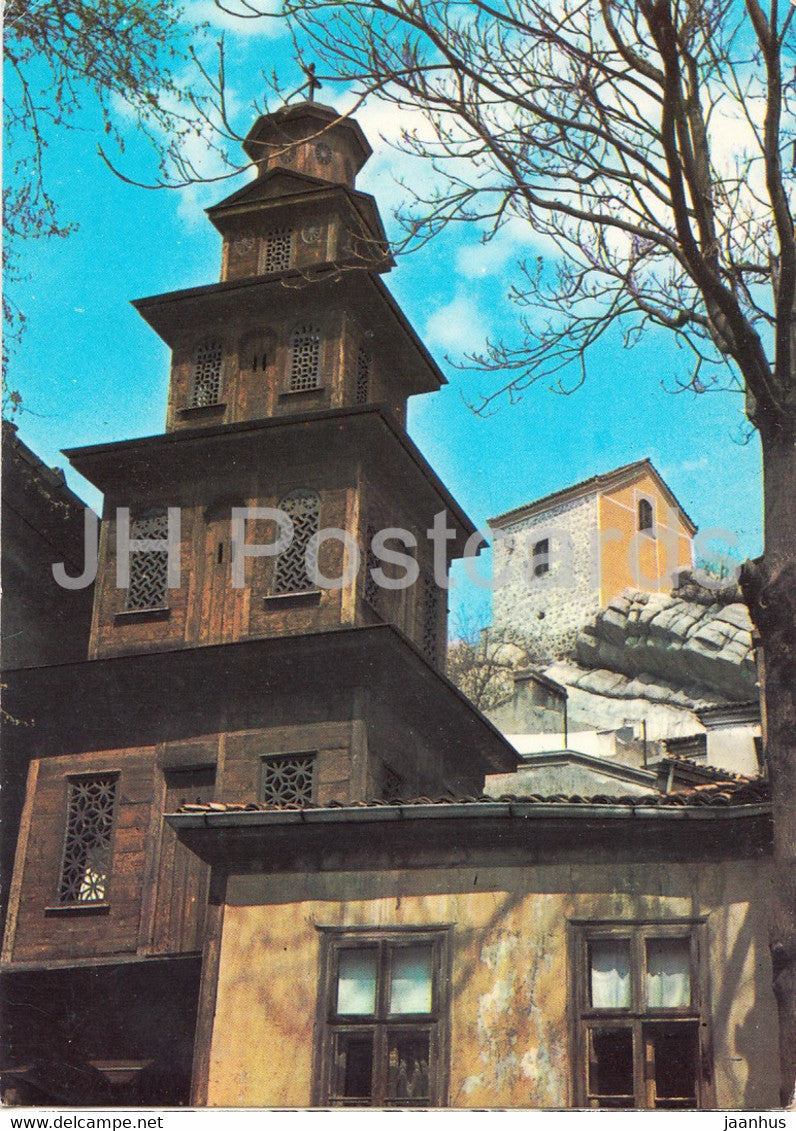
x,y
271,757
639,1017
267,240
299,331
198,382
64,905
278,592
381,1023
131,613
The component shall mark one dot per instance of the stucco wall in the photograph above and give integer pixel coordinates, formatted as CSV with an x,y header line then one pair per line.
x,y
631,558
509,985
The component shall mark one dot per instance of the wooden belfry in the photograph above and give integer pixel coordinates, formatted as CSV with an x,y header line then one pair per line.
x,y
288,389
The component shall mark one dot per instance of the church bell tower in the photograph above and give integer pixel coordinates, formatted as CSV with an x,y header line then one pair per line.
x,y
226,667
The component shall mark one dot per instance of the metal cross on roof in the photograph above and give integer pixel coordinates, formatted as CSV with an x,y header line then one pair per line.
x,y
313,84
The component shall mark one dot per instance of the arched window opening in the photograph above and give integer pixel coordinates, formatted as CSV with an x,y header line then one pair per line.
x,y
646,515
541,557
290,575
206,389
305,359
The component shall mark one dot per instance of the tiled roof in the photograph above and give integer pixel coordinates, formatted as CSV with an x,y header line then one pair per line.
x,y
730,790
703,769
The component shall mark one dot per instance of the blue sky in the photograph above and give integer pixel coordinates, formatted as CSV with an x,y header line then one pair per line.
x,y
90,370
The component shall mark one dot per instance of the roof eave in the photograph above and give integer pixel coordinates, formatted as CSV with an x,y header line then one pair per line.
x,y
505,810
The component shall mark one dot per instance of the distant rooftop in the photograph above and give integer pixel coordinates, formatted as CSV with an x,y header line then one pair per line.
x,y
594,485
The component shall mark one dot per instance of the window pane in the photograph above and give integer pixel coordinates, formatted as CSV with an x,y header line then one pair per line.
x,y
672,1049
609,967
668,973
611,1067
356,981
410,979
353,1066
407,1067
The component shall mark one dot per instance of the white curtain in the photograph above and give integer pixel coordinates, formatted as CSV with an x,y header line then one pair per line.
x,y
668,973
609,960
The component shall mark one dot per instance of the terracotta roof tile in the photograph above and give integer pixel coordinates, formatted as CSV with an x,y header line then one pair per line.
x,y
728,790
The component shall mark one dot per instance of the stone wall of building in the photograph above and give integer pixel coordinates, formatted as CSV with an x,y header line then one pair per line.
x,y
550,610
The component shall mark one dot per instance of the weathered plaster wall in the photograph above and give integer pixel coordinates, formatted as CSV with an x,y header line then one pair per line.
x,y
508,1017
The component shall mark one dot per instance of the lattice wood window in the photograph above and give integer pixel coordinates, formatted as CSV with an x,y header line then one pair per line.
x,y
290,574
305,359
363,375
149,568
277,251
642,1037
206,388
86,865
373,592
429,618
385,1019
287,779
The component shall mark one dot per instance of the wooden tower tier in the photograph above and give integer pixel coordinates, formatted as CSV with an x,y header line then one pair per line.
x,y
259,348
353,470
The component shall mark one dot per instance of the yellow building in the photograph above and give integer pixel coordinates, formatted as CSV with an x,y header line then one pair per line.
x,y
562,558
481,953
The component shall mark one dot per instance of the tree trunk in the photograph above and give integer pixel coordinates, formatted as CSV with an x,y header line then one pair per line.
x,y
769,587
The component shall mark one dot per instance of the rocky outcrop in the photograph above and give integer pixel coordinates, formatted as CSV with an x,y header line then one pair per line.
x,y
703,651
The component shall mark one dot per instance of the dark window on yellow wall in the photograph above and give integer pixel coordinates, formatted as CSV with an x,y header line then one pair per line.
x,y
541,557
639,994
384,1018
646,515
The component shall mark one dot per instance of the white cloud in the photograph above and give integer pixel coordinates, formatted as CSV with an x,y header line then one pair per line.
x,y
458,327
514,242
267,26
